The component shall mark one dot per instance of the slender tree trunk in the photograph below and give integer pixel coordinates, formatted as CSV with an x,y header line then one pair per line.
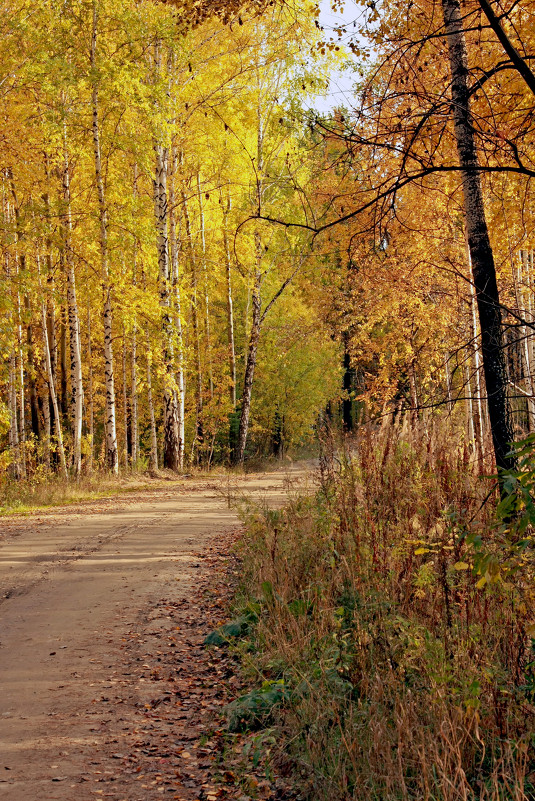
x,y
171,458
199,431
15,467
256,321
153,458
530,288
14,442
63,402
347,418
520,278
32,386
230,312
125,405
482,258
50,311
110,426
74,319
52,390
52,332
133,400
30,370
47,426
469,406
479,418
449,388
254,337
415,403
133,356
205,289
177,300
21,388
91,405
171,446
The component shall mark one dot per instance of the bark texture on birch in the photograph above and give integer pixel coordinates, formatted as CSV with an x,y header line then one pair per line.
x,y
177,308
230,312
74,320
153,458
525,334
52,390
254,338
112,460
483,268
171,457
133,355
205,288
199,432
91,404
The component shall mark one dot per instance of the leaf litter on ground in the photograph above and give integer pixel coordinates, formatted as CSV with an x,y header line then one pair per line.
x,y
172,736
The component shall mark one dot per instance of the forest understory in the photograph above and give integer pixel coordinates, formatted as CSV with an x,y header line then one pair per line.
x,y
386,626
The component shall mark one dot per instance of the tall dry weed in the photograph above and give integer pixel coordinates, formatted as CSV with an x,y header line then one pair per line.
x,y
404,678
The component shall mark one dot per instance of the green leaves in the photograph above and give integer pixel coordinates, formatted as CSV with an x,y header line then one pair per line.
x,y
254,709
232,630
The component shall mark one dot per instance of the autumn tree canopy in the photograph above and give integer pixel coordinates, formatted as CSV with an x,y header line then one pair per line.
x,y
198,267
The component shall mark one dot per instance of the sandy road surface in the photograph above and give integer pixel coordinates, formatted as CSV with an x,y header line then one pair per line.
x,y
72,583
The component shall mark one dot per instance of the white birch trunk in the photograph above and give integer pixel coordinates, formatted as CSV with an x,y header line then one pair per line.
x,y
47,427
469,404
74,321
199,432
171,457
91,404
133,363
133,400
52,389
480,418
250,366
173,244
112,461
520,275
230,312
125,403
171,445
530,310
14,443
205,282
20,377
153,458
256,322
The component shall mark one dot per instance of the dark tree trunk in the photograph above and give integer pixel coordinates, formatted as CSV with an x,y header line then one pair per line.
x,y
347,404
483,269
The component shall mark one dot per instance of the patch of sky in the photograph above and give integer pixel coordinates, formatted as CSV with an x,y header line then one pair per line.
x,y
340,27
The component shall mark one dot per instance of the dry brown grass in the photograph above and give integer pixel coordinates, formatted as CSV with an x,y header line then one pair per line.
x,y
42,491
405,680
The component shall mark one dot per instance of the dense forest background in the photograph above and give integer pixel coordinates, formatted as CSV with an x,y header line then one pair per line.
x,y
197,266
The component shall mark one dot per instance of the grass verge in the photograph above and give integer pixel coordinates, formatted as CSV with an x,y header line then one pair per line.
x,y
27,496
387,625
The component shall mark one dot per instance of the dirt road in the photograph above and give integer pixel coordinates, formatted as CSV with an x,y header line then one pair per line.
x,y
73,584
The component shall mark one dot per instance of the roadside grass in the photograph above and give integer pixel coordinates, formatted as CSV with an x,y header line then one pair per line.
x,y
387,625
27,496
